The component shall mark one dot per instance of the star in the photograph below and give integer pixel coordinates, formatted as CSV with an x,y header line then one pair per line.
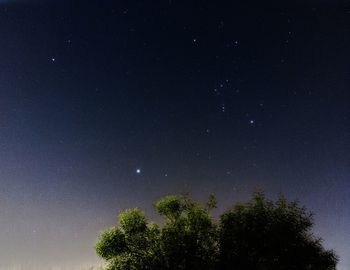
x,y
223,108
53,59
138,171
251,122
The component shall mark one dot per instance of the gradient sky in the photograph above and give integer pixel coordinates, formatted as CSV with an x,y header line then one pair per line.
x,y
199,96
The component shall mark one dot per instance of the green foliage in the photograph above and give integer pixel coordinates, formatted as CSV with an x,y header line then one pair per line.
x,y
257,235
170,206
111,242
134,245
133,221
212,202
188,237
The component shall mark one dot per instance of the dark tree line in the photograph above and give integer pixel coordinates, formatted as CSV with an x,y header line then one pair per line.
x,y
257,235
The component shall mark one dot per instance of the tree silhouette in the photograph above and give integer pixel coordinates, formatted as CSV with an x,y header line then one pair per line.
x,y
262,235
257,235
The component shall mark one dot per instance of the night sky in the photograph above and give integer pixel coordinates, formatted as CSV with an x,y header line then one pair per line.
x,y
106,105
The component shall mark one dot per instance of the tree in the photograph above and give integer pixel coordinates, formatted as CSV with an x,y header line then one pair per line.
x,y
257,235
189,236
263,235
133,245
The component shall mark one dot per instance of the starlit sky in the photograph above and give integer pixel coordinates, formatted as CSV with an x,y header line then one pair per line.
x,y
108,104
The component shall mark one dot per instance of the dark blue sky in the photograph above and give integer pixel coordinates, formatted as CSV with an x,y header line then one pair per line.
x,y
199,96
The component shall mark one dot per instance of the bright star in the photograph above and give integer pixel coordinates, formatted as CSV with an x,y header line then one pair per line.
x,y
138,171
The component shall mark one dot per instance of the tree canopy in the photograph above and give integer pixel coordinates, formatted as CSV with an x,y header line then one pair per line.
x,y
258,235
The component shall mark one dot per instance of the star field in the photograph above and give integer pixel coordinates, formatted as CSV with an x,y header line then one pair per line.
x,y
108,105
